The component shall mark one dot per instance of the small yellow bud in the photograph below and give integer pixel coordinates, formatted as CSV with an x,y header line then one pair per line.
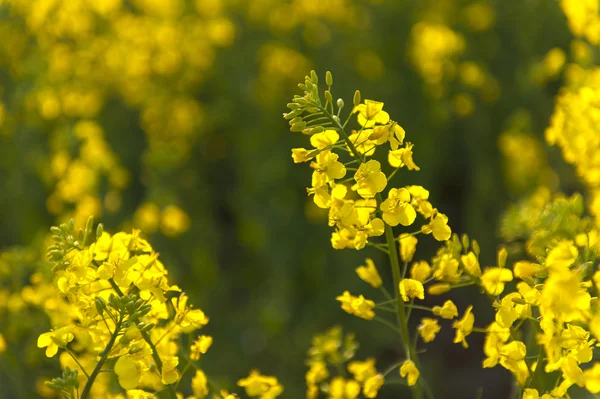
x,y
356,99
475,246
328,96
502,255
328,78
438,289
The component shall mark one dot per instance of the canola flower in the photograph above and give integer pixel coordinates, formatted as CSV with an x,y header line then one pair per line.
x,y
363,207
121,317
546,316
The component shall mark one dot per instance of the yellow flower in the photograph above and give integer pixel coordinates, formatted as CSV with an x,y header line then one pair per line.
x,y
147,217
170,375
369,273
408,246
402,157
464,327
370,180
343,389
128,373
300,155
371,113
318,372
410,288
362,143
357,306
362,371
420,271
410,371
592,378
562,256
2,344
506,312
55,339
326,165
524,269
174,221
324,139
200,347
439,227
391,132
397,208
471,264
257,385
200,384
493,279
446,268
428,329
447,311
372,386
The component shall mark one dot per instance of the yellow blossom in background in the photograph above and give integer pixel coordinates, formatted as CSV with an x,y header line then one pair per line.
x,y
369,273
339,388
128,372
174,221
410,371
147,217
2,344
373,385
258,385
493,279
200,346
199,385
362,370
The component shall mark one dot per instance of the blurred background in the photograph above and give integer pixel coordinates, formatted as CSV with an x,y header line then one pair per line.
x,y
166,115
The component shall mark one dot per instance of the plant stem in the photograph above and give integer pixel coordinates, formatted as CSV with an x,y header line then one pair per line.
x,y
103,358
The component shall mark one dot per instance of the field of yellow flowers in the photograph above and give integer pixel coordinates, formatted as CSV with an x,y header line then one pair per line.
x,y
320,199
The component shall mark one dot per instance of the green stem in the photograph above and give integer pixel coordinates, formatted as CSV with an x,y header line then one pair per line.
x,y
77,361
387,323
103,358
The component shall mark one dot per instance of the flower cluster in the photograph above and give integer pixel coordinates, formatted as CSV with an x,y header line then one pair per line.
x,y
119,313
357,209
364,207
330,356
